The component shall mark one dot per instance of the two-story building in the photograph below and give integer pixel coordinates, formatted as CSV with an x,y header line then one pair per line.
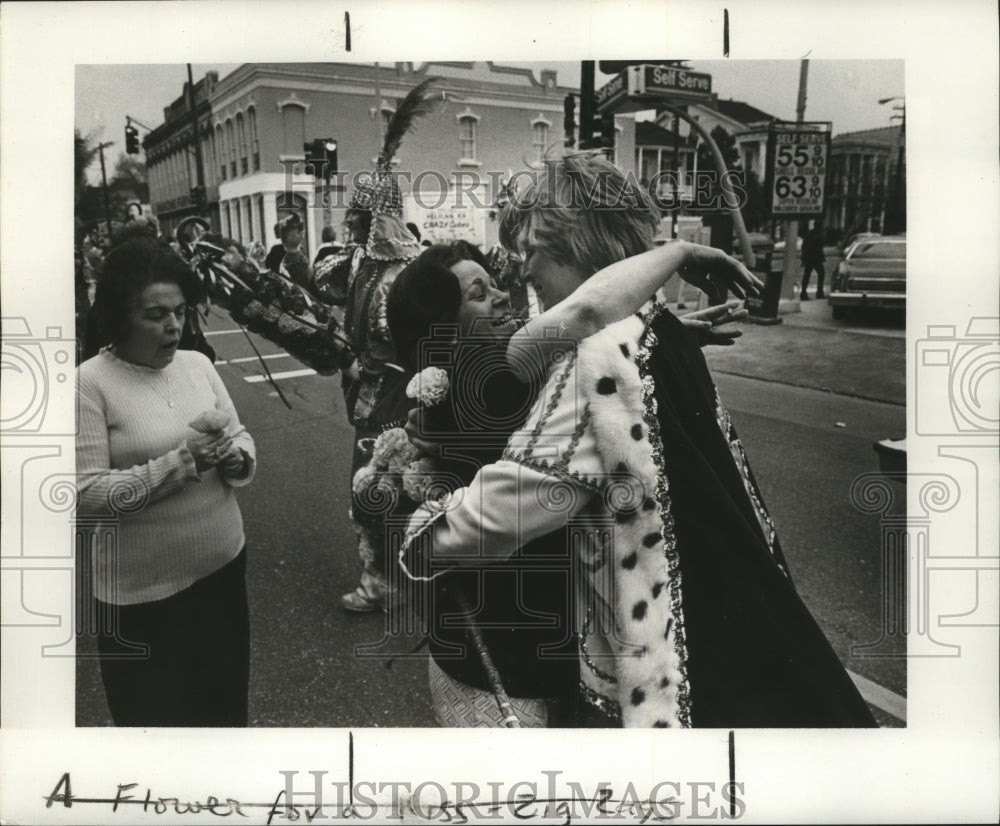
x,y
490,121
862,182
171,162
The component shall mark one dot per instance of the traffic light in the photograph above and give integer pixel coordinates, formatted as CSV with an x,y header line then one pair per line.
x,y
330,154
605,129
131,139
321,155
569,120
602,133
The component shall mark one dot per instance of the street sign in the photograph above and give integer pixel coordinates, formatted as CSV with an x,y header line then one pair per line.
x,y
671,83
612,93
797,155
642,87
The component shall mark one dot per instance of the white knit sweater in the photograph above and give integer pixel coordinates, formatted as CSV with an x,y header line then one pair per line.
x,y
172,526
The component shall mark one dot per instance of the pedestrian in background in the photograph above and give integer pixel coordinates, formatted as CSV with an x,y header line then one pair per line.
x,y
812,259
329,246
289,232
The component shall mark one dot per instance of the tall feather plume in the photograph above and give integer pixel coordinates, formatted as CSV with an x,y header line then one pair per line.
x,y
416,104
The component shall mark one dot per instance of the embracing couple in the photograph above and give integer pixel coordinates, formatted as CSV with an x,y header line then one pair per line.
x,y
602,536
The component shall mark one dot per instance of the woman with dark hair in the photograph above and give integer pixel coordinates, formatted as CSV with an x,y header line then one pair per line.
x,y
443,309
159,454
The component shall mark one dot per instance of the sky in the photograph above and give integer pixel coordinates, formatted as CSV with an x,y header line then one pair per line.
x,y
845,92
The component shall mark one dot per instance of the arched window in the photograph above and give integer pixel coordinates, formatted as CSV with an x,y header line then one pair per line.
x,y
254,141
468,127
293,125
220,158
540,137
241,132
210,164
231,144
539,140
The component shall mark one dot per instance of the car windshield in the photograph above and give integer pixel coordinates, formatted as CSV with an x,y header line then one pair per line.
x,y
879,250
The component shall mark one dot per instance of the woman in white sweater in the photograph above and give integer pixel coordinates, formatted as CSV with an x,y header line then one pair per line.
x,y
159,453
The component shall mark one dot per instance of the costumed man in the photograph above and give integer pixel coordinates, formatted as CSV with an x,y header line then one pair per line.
x,y
359,277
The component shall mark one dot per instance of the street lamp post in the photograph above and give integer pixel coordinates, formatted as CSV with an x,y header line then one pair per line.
x,y
899,211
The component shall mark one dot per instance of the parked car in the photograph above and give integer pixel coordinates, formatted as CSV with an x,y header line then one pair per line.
x,y
872,274
855,237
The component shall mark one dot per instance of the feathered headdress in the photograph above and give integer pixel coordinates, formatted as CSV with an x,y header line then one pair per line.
x,y
380,193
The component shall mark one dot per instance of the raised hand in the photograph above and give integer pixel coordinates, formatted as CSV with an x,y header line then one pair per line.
x,y
708,323
715,273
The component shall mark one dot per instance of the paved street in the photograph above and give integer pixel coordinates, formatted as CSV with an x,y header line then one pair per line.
x,y
808,397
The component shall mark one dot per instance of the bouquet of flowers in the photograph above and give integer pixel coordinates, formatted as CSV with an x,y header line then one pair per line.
x,y
273,305
398,477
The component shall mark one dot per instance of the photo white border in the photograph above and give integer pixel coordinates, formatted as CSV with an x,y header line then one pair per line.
x,y
942,768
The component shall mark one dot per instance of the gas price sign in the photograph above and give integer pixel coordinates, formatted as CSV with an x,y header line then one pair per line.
x,y
797,160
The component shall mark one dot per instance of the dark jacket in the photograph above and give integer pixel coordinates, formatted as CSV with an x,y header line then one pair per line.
x,y
522,605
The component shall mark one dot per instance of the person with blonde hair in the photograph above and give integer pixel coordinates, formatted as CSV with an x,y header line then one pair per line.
x,y
687,615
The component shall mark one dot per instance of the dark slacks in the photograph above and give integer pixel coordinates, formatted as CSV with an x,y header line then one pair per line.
x,y
196,671
807,270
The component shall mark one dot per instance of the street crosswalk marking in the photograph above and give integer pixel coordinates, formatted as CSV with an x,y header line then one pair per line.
x,y
287,374
254,358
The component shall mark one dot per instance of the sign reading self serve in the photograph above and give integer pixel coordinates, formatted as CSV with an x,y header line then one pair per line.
x,y
639,86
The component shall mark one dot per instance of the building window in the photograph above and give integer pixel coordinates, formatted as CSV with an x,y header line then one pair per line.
x,y
468,129
254,142
220,153
241,132
231,144
467,138
539,139
208,165
260,219
293,125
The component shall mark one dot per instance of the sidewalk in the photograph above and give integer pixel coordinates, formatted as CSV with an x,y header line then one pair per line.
x,y
863,358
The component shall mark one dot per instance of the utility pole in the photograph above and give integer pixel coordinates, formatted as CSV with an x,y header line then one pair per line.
x,y
677,174
586,137
790,265
200,170
899,207
378,113
104,186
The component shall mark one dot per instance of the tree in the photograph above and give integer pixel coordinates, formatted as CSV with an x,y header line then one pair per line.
x,y
753,206
128,182
84,153
129,168
727,146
